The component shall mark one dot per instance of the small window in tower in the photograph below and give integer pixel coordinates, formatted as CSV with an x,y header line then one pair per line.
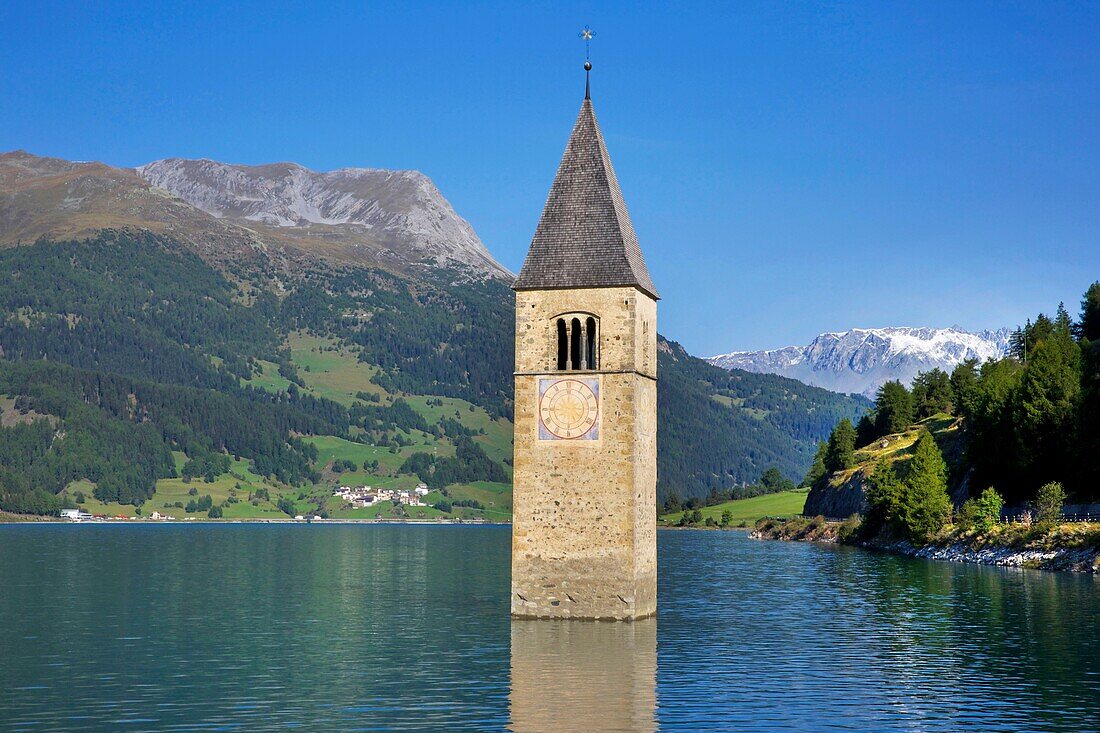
x,y
590,343
575,344
563,346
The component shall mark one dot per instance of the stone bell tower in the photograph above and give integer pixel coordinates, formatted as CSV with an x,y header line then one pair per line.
x,y
584,518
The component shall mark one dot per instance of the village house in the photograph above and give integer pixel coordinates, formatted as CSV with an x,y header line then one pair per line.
x,y
365,496
358,497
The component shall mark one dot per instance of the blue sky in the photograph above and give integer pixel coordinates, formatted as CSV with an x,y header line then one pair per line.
x,y
790,168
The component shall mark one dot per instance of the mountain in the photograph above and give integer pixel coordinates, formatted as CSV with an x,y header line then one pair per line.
x,y
861,360
281,214
59,199
151,347
357,215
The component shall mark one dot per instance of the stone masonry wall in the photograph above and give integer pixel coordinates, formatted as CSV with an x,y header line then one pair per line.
x,y
583,532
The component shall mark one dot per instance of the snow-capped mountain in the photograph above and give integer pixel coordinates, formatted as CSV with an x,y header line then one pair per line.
x,y
863,359
384,214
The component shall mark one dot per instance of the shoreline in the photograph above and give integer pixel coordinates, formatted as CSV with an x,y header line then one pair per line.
x,y
1038,554
1062,559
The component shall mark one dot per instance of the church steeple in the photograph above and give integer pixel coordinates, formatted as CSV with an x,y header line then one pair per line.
x,y
585,238
584,497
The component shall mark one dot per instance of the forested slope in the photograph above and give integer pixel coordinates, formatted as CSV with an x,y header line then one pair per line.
x,y
126,360
719,428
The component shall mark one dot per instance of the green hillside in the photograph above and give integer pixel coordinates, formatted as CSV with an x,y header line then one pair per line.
x,y
135,374
748,511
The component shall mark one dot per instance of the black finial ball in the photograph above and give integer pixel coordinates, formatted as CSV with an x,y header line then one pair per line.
x,y
588,66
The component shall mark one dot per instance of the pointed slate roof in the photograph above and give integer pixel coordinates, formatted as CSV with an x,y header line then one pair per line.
x,y
585,238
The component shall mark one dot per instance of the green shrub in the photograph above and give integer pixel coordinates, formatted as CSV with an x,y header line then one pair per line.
x,y
848,531
1048,502
981,513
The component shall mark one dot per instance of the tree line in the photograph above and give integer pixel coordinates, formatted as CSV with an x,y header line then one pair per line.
x,y
1030,427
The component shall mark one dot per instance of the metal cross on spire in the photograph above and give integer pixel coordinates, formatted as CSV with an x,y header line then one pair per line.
x,y
587,34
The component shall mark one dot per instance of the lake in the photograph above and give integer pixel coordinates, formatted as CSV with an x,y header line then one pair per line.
x,y
385,627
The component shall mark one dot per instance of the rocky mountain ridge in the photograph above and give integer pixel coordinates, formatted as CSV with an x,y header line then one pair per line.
x,y
390,214
860,360
283,214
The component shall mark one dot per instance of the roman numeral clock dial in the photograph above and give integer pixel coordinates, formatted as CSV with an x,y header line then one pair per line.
x,y
569,409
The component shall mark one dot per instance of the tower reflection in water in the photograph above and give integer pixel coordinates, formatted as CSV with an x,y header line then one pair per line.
x,y
583,676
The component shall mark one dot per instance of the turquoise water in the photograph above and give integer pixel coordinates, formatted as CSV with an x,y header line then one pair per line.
x,y
350,627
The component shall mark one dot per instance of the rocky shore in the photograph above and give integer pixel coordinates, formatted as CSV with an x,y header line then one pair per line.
x,y
1069,547
1077,560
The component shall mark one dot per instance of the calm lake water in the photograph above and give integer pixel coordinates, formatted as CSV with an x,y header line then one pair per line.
x,y
342,628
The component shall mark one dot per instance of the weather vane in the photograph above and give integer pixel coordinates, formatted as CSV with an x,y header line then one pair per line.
x,y
587,34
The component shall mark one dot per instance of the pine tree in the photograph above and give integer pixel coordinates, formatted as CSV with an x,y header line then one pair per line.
x,y
1023,341
932,393
893,408
866,432
1088,427
1088,329
1046,418
925,506
840,453
884,493
964,385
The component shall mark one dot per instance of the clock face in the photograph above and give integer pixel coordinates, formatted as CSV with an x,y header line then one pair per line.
x,y
569,409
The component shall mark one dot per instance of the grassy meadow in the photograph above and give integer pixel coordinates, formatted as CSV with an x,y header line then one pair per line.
x,y
748,511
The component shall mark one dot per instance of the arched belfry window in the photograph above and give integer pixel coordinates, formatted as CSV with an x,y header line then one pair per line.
x,y
563,346
577,341
590,342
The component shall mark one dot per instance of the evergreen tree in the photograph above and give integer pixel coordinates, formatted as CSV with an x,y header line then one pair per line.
x,y
932,393
840,453
884,495
964,386
1046,417
1023,340
1088,329
893,408
866,432
991,428
1088,427
925,506
1063,324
